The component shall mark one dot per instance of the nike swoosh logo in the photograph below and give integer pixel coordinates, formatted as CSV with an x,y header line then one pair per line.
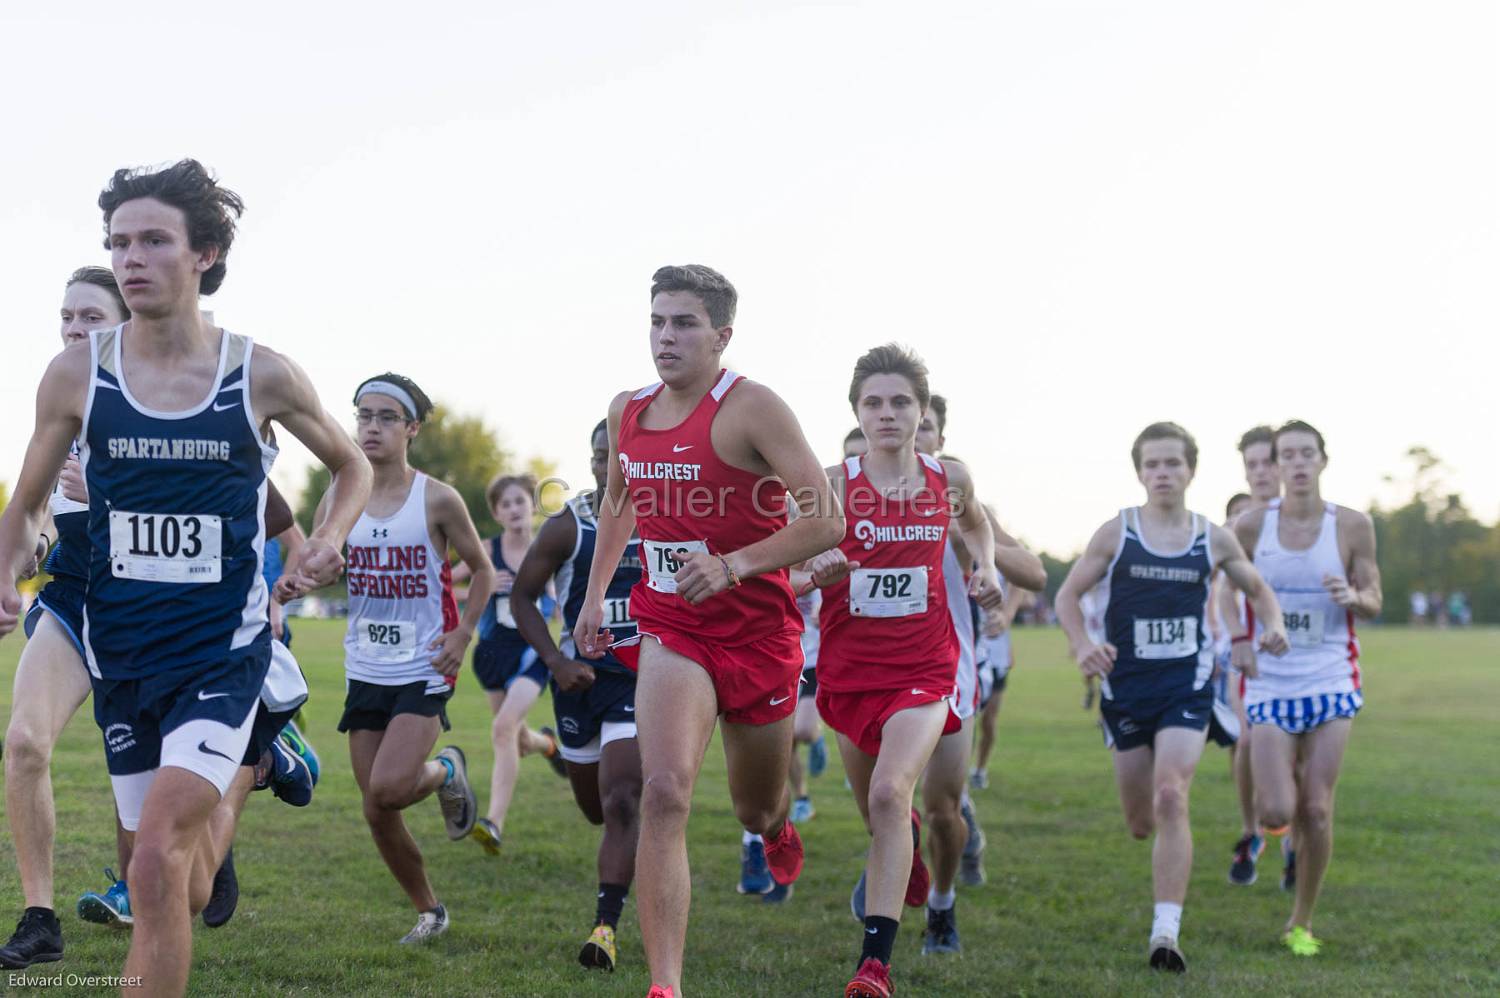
x,y
203,747
775,702
209,696
678,449
871,932
1191,716
224,408
630,710
918,693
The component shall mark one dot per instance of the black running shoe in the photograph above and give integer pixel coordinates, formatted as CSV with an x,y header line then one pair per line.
x,y
1246,852
942,932
37,939
226,894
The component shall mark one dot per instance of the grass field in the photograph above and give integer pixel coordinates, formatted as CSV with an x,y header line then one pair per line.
x,y
1411,904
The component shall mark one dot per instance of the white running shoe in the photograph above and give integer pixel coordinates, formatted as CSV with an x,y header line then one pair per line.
x,y
430,925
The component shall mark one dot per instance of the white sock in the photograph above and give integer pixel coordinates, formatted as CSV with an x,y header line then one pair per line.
x,y
748,837
941,902
963,798
1167,921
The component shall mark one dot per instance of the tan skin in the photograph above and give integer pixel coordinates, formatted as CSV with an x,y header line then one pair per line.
x,y
391,766
1296,775
675,701
170,354
1154,780
888,412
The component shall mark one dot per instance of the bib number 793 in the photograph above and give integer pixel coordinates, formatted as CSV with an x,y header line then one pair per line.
x,y
664,558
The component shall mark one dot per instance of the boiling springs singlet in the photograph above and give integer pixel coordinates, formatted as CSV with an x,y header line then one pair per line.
x,y
400,597
886,626
687,499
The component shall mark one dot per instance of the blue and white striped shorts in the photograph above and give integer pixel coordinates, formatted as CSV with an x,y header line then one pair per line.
x,y
1302,714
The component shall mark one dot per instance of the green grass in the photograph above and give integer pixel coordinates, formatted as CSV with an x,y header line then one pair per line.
x,y
1411,904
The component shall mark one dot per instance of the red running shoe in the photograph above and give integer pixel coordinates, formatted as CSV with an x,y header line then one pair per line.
x,y
873,980
920,880
657,991
784,855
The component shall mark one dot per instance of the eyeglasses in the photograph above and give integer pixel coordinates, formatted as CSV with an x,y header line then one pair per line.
x,y
386,419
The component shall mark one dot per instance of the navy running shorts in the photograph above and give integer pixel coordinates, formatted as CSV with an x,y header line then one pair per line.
x,y
1131,724
370,706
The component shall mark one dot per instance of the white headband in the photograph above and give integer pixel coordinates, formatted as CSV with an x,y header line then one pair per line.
x,y
386,388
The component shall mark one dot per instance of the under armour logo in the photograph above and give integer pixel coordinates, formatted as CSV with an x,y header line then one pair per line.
x,y
380,532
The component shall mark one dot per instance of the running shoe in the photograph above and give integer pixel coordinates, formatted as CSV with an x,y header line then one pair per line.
x,y
110,908
755,876
971,863
1246,851
292,735
1301,942
430,925
857,899
777,894
784,854
226,894
1289,871
979,779
802,810
599,952
657,991
942,932
817,757
292,780
554,758
1166,956
487,835
37,939
872,980
920,881
456,798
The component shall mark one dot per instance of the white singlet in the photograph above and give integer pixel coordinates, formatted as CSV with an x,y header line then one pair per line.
x,y
400,597
963,625
1324,654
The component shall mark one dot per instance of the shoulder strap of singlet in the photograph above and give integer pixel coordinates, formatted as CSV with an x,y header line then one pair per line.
x,y
932,463
727,380
851,468
576,508
647,392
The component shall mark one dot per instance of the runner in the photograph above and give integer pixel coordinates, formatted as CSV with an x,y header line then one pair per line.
x,y
1226,619
1157,661
173,420
706,458
405,641
889,654
508,668
594,701
954,828
1320,559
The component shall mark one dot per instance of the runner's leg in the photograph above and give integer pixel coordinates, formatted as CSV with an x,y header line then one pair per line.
x,y
1323,755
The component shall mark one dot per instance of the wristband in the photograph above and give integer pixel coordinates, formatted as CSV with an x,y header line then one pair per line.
x,y
729,574
1237,640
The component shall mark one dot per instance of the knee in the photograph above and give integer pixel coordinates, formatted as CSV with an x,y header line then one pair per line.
x,y
668,796
1273,813
888,800
505,727
620,806
1170,801
382,799
1315,814
28,752
1141,826
754,817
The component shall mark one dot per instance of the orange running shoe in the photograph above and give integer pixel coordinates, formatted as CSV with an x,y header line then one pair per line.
x,y
873,980
657,991
784,855
920,880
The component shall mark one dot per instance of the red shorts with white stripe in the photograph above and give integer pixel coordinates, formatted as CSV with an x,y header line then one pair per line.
x,y
861,716
755,683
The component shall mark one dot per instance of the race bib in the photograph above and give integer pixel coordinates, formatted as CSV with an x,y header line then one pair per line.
x,y
1304,628
617,613
1166,637
386,641
664,558
888,592
165,547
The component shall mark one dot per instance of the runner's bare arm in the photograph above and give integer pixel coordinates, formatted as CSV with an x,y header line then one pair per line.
x,y
550,550
278,511
447,510
1021,568
978,536
59,419
1230,557
1361,594
281,391
1087,571
615,517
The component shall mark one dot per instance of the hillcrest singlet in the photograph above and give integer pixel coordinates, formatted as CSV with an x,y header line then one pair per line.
x,y
1324,653
400,597
687,499
176,519
886,626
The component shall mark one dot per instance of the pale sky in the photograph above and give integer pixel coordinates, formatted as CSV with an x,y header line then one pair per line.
x,y
1085,216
